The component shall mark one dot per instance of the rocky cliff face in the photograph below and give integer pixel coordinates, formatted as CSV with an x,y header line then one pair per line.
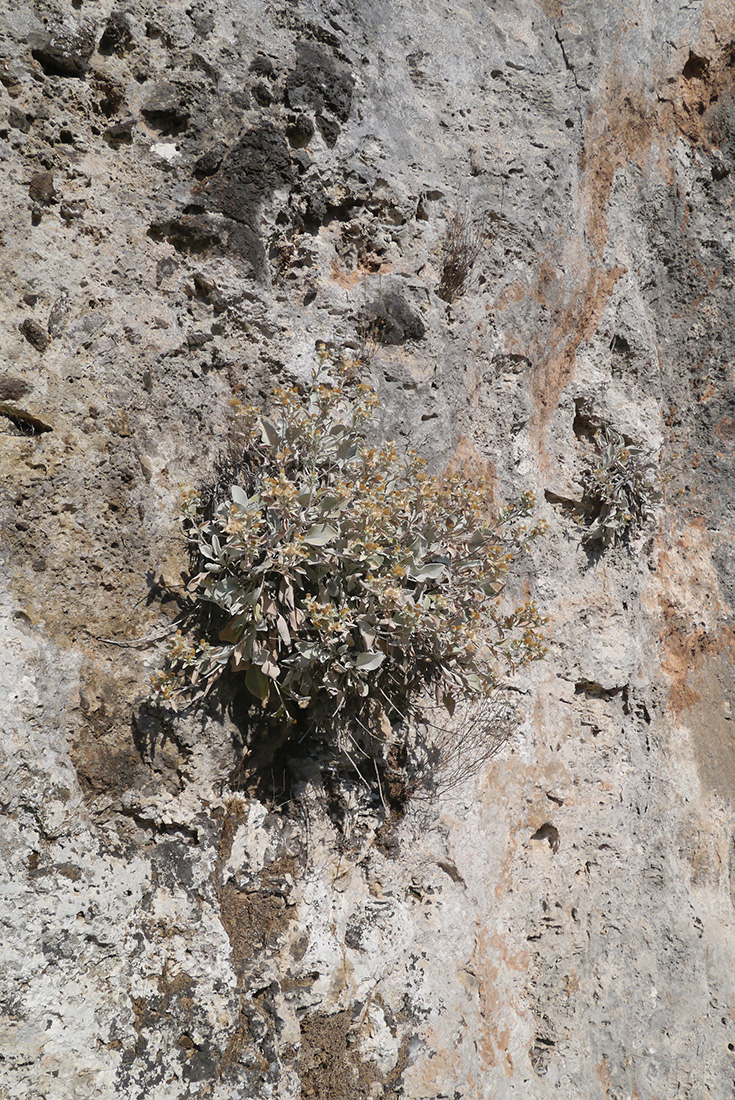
x,y
193,197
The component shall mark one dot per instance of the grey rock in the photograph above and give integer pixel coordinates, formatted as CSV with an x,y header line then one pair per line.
x,y
561,923
120,133
19,120
65,48
117,36
392,320
41,188
34,333
164,108
319,82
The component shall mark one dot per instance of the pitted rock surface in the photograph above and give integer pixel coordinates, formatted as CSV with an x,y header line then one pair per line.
x,y
195,196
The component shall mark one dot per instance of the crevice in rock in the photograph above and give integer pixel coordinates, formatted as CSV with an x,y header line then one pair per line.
x,y
161,828
188,233
567,63
24,422
593,690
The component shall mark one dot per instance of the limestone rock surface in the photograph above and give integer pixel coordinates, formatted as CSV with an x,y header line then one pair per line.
x,y
194,196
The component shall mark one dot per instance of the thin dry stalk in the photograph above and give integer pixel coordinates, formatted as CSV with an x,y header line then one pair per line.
x,y
368,329
462,246
458,747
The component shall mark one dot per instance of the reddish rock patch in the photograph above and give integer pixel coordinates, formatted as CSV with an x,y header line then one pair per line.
x,y
575,323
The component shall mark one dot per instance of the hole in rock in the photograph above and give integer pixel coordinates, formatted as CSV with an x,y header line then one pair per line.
x,y
696,67
550,833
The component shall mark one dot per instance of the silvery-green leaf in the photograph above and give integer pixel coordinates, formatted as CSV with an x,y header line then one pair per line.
x,y
320,534
366,662
270,668
283,631
224,590
269,432
239,496
432,571
331,502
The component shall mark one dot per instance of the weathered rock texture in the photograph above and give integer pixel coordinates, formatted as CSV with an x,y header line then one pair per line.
x,y
193,196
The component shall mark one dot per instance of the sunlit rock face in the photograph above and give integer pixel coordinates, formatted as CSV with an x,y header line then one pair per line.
x,y
193,198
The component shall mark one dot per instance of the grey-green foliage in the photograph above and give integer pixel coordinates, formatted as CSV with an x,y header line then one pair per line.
x,y
621,490
341,572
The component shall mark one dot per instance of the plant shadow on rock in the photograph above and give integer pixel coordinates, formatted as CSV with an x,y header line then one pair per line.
x,y
344,607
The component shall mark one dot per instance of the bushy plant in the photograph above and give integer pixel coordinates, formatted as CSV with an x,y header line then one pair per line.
x,y
344,579
621,490
462,246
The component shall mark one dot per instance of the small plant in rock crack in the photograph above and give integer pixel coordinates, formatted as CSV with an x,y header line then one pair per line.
x,y
621,490
343,581
462,246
